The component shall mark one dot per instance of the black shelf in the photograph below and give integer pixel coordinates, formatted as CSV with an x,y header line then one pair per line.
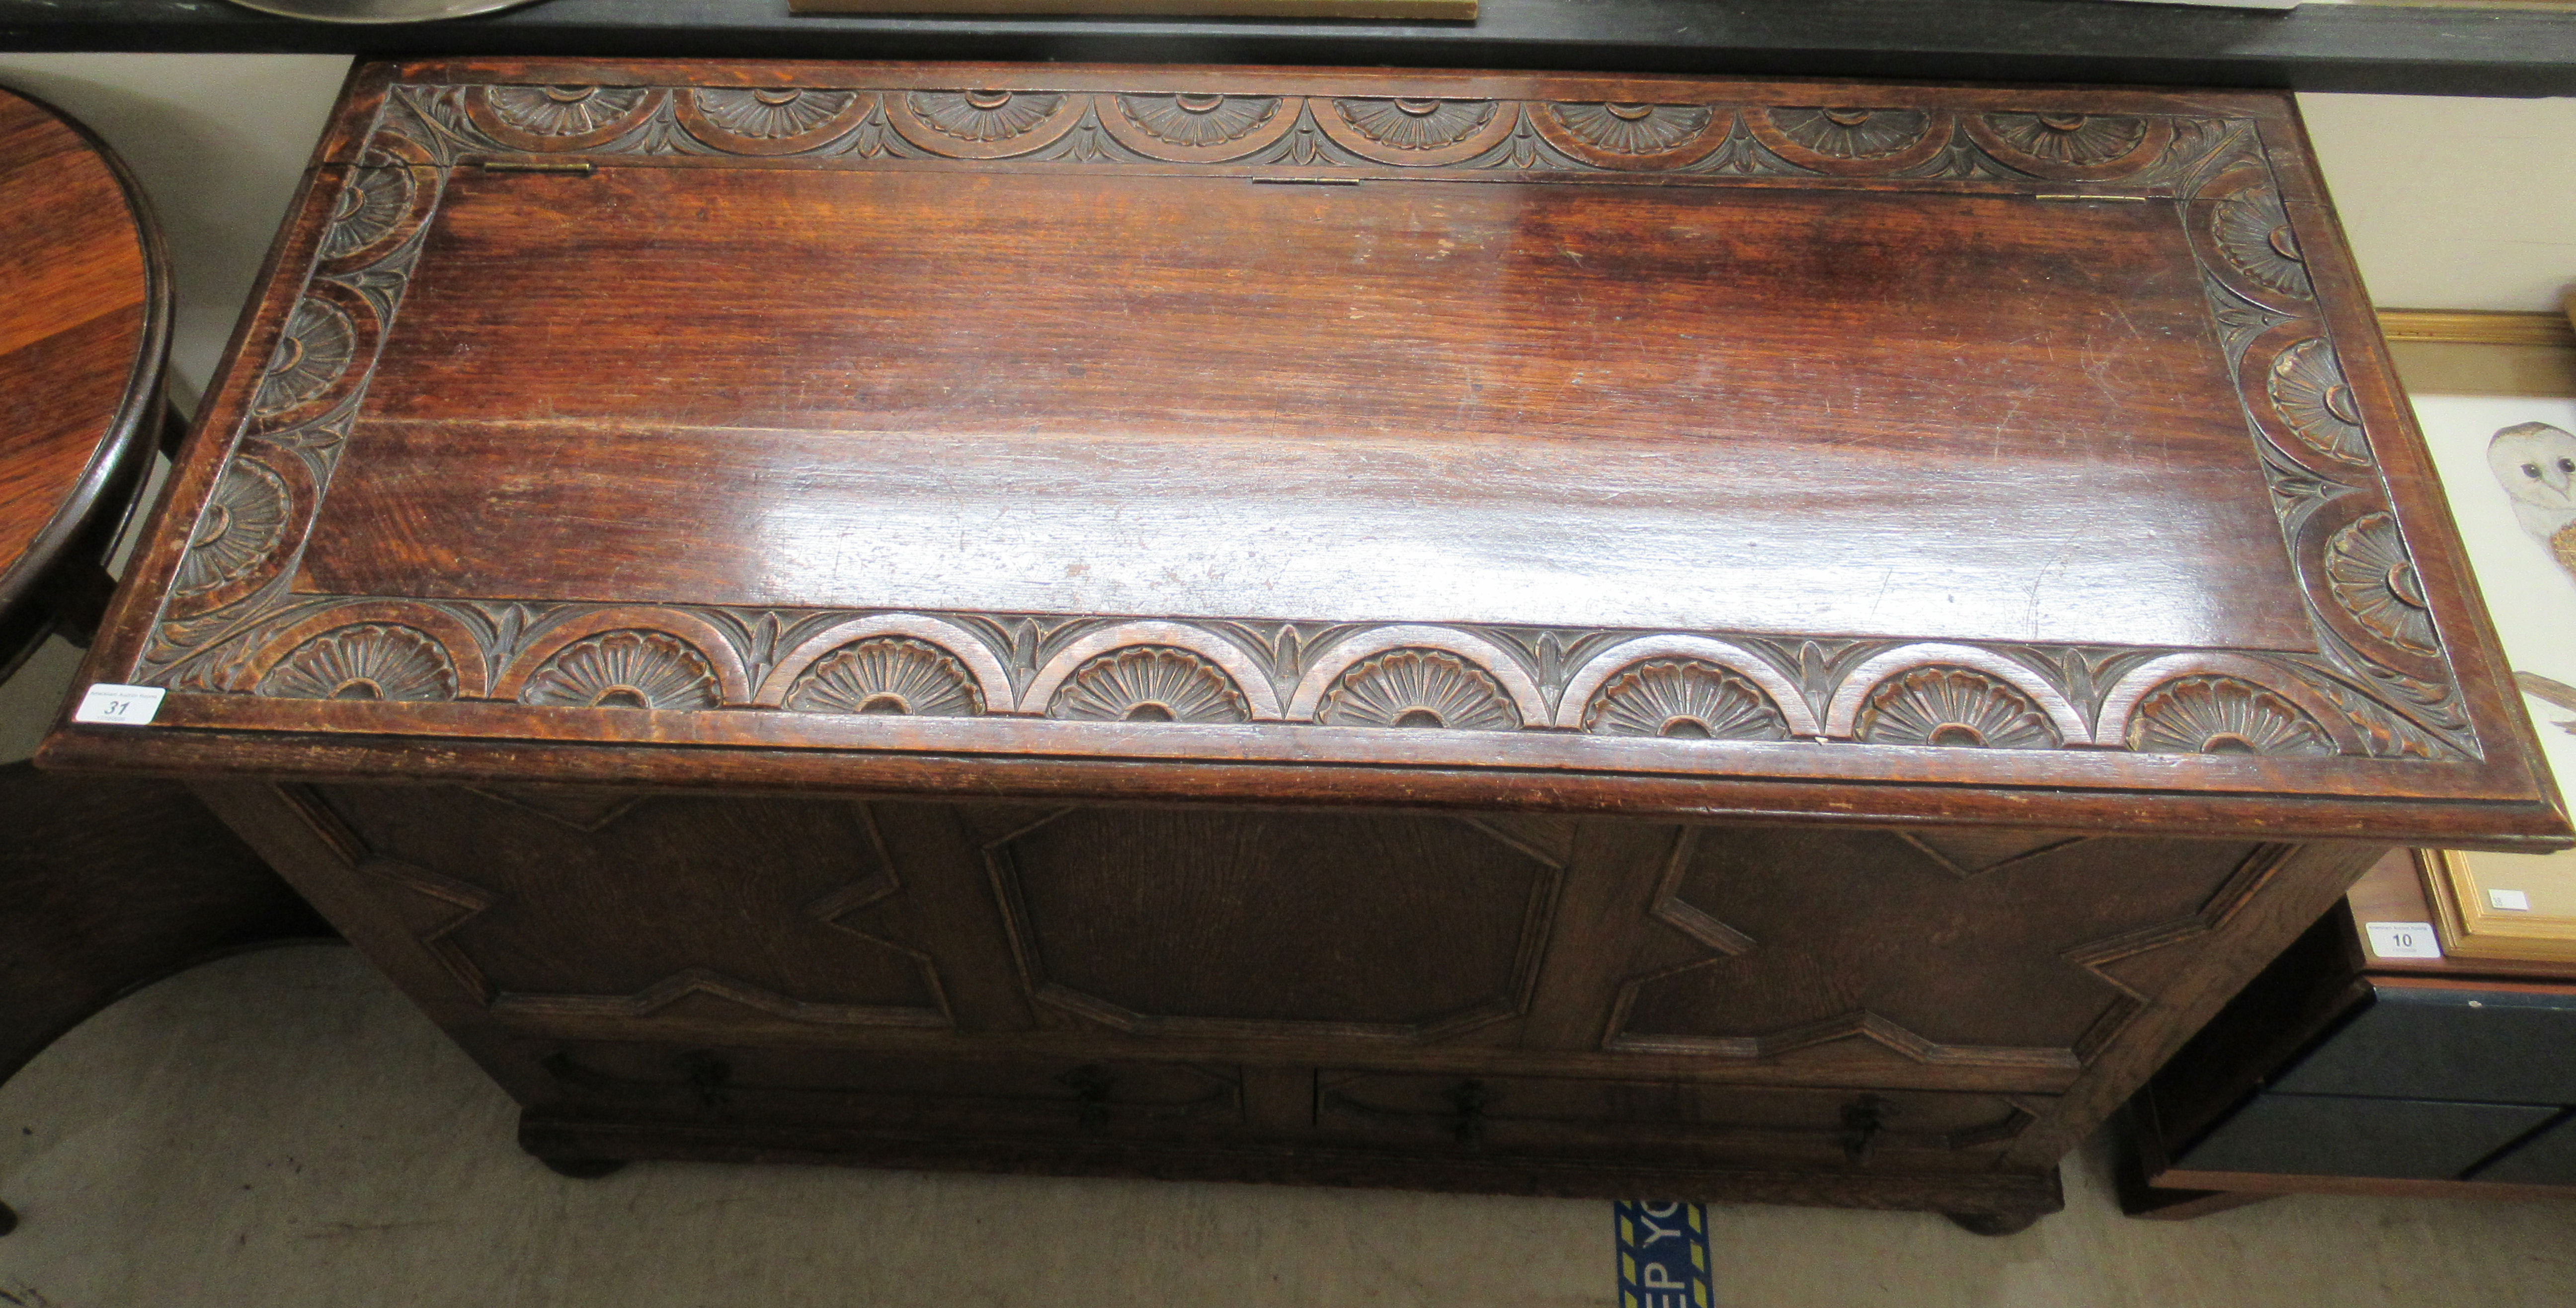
x,y
2434,51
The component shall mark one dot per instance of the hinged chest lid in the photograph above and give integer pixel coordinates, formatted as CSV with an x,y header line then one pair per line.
x,y
1656,446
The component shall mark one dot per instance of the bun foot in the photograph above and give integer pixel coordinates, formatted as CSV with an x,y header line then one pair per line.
x,y
584,1169
1993,1223
8,1219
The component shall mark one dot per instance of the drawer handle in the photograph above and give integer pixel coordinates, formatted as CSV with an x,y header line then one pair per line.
x,y
1864,1121
1090,1085
1469,1099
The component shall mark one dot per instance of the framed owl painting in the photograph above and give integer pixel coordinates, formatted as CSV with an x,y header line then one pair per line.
x,y
2508,465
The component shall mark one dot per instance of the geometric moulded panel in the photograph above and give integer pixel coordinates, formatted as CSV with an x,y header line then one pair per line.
x,y
1254,924
556,902
2024,951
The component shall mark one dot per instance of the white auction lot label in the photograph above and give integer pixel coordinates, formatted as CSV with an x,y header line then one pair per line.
x,y
120,706
2404,940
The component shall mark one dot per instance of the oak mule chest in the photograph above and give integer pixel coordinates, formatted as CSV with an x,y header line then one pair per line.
x,y
1551,635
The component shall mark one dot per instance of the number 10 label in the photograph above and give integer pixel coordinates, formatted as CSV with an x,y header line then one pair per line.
x,y
2404,940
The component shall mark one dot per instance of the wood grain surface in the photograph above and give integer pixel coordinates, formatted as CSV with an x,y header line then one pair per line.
x,y
83,318
1580,429
1394,401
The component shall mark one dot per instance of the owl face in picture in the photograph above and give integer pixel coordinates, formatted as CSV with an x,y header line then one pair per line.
x,y
2536,465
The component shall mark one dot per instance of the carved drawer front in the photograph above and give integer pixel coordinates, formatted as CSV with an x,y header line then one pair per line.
x,y
1989,954
1838,1127
851,1089
559,906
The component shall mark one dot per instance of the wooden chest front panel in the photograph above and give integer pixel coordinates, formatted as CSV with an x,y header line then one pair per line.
x,y
1445,946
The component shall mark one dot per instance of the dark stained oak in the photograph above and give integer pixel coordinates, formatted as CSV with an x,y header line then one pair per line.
x,y
84,329
115,882
1542,634
1637,366
1728,434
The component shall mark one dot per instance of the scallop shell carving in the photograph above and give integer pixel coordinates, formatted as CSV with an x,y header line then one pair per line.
x,y
373,201
1418,688
1853,133
563,110
1689,699
2081,139
2308,390
887,674
2374,580
317,346
1198,120
1150,683
1634,128
379,661
625,669
2223,715
2253,231
1411,124
243,522
770,113
1953,706
984,116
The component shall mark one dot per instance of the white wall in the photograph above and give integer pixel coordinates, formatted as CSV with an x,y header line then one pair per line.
x,y
2453,203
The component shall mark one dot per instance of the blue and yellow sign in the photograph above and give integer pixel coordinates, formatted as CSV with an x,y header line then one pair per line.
x,y
1663,1255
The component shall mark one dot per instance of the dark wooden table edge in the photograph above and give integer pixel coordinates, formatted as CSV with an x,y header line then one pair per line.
x,y
83,523
2442,51
164,969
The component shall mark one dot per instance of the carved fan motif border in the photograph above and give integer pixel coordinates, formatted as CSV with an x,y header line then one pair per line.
x,y
450,124
2380,687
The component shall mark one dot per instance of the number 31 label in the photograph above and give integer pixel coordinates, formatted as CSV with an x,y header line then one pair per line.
x,y
2404,940
120,706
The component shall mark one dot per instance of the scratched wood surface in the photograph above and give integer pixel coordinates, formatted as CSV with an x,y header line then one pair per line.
x,y
80,311
1393,434
1512,404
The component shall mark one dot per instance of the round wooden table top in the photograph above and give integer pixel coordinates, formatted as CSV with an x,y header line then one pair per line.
x,y
84,328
